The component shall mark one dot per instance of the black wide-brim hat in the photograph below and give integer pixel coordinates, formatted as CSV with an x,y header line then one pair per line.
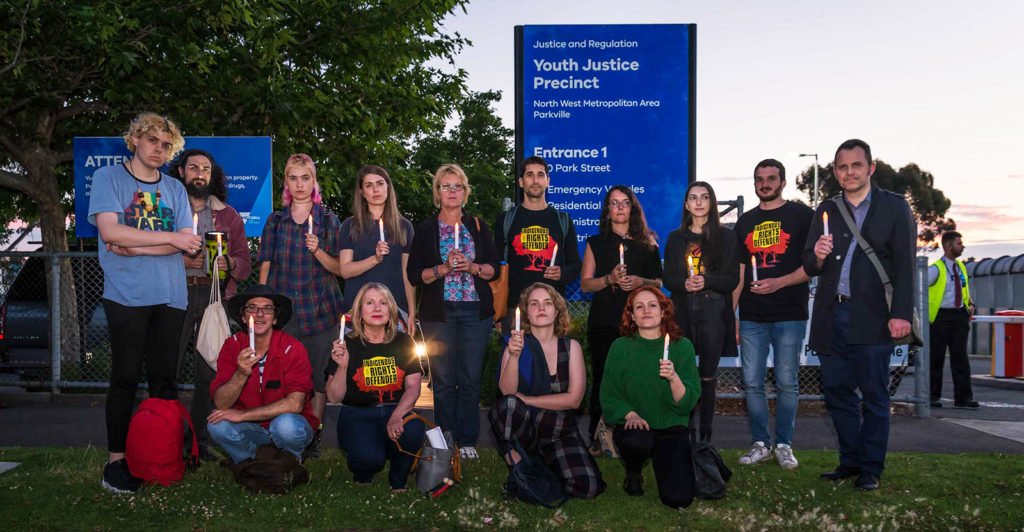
x,y
283,304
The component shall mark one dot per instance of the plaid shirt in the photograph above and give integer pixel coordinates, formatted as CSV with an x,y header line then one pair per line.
x,y
316,296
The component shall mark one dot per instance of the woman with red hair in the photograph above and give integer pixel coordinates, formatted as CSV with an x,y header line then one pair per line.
x,y
298,258
650,388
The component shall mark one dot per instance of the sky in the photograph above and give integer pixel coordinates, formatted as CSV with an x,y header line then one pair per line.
x,y
937,83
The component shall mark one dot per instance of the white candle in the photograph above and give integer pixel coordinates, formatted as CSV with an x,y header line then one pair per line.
x,y
622,255
824,222
753,265
554,253
420,350
664,356
195,224
252,336
689,261
341,331
381,229
518,328
220,248
456,235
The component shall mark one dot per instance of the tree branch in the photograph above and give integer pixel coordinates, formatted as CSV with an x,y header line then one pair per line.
x,y
21,40
14,181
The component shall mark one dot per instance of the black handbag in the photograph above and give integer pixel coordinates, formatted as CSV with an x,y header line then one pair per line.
x,y
531,481
710,474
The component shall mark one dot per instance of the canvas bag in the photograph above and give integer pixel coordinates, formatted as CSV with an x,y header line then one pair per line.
x,y
214,328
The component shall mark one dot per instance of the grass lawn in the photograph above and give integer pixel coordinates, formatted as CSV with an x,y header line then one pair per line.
x,y
59,489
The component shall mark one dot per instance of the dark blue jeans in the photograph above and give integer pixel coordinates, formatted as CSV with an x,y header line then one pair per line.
x,y
861,423
457,348
363,435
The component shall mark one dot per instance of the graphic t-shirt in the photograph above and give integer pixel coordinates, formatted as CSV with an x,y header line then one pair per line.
x,y
775,239
389,272
161,206
376,372
531,242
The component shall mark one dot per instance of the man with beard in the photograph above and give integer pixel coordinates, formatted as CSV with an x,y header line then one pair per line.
x,y
207,191
772,298
527,234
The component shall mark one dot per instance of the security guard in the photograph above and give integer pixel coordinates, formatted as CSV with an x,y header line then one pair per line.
x,y
949,313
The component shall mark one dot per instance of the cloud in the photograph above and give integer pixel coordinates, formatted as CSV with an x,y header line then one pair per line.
x,y
987,222
1015,176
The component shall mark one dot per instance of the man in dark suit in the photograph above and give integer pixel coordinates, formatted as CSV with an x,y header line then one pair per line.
x,y
852,327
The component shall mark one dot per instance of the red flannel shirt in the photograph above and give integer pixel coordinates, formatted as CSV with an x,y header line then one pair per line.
x,y
286,370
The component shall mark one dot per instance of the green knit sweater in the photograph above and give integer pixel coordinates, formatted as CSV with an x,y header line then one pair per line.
x,y
631,382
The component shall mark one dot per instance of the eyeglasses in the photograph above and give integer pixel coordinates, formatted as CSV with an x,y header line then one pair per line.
x,y
453,188
616,204
268,310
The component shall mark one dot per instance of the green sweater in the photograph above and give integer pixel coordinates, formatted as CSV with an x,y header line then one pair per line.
x,y
631,382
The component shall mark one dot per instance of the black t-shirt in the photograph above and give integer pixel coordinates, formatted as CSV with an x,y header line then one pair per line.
x,y
776,239
531,241
606,308
376,372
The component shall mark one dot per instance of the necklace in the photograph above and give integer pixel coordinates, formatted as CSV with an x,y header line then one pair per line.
x,y
138,189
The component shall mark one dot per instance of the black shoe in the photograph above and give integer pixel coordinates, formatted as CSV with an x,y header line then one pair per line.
x,y
313,449
633,485
117,478
867,482
936,404
967,404
206,455
841,473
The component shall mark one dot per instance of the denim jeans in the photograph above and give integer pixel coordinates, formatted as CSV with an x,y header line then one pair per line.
x,y
457,348
289,432
785,339
363,435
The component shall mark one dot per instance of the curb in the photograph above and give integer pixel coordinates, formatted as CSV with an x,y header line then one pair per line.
x,y
1007,383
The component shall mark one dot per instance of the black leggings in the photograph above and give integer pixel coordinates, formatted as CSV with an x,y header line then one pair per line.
x,y
669,451
139,334
707,331
600,341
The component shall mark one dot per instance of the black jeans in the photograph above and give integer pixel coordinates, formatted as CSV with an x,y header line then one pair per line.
x,y
139,334
950,330
669,451
198,300
600,341
707,332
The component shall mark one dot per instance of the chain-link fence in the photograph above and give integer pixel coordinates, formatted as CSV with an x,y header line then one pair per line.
x,y
83,360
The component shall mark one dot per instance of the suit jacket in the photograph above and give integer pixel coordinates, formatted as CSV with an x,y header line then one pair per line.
x,y
889,228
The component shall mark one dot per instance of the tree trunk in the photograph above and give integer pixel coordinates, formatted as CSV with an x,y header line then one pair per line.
x,y
53,222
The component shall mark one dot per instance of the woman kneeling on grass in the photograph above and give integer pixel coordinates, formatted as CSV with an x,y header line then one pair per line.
x,y
648,395
542,380
375,375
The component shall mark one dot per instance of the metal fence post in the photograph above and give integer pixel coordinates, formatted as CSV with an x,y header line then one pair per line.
x,y
922,367
55,313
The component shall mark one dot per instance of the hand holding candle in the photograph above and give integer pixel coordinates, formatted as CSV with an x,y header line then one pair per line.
x,y
518,324
252,335
824,223
456,235
341,331
554,253
195,224
689,262
310,230
622,254
664,355
381,223
753,267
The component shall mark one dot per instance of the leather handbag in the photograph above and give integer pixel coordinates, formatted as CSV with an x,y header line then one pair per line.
x,y
214,328
915,336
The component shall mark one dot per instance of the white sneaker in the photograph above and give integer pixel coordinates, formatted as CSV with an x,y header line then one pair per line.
x,y
757,453
468,453
784,454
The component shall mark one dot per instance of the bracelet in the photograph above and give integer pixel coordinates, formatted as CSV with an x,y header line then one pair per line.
x,y
607,282
437,275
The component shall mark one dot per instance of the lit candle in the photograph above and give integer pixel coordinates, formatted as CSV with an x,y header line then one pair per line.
x,y
195,225
310,230
824,222
381,229
456,235
554,253
341,331
518,328
622,255
252,336
420,350
753,264
689,261
664,355
220,248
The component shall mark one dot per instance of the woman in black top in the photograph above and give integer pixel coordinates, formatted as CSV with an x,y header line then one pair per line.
x,y
622,224
701,271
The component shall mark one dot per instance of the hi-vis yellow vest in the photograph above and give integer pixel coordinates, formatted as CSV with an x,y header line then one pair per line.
x,y
936,290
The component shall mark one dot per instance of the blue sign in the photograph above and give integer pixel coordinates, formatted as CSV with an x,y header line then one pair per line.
x,y
247,162
608,105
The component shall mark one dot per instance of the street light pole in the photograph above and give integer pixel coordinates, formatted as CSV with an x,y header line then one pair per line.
x,y
815,195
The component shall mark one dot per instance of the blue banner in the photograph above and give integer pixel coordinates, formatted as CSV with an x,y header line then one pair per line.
x,y
608,105
247,162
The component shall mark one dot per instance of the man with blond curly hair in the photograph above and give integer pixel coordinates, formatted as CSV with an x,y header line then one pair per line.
x,y
145,223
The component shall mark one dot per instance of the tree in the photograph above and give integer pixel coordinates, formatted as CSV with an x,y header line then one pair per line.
x,y
346,81
928,203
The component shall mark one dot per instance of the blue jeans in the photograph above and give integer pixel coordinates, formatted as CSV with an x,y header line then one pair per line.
x,y
289,432
363,435
457,348
861,423
785,339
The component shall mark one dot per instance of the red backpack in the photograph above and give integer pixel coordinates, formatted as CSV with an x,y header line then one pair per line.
x,y
156,451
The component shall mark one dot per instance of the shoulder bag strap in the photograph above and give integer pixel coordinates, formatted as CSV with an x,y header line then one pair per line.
x,y
506,227
868,250
215,283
